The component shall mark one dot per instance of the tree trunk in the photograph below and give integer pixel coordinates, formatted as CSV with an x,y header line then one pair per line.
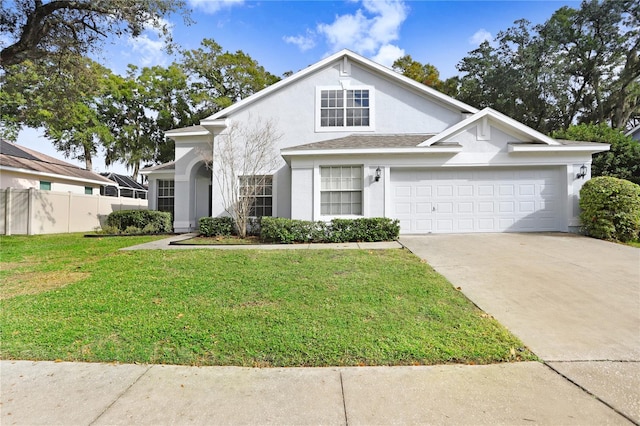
x,y
88,161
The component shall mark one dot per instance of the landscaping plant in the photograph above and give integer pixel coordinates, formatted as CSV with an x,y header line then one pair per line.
x,y
610,209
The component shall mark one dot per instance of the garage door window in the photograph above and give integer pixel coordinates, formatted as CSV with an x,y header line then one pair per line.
x,y
341,190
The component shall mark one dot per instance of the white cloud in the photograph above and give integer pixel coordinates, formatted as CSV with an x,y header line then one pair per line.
x,y
304,42
376,24
212,6
480,36
387,55
368,31
149,52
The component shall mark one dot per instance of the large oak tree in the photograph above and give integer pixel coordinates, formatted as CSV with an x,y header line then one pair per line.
x,y
34,29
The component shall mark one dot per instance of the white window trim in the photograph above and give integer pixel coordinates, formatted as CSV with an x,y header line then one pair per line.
x,y
317,184
271,174
351,129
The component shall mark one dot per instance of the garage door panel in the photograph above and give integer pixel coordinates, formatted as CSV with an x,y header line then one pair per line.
x,y
465,207
477,200
506,190
485,190
506,207
403,208
486,224
424,208
424,191
423,225
485,207
402,191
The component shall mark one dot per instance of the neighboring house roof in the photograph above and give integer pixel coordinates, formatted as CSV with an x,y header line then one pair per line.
x,y
164,167
124,181
345,55
633,131
19,158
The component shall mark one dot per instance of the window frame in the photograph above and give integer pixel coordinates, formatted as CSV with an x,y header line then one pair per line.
x,y
263,197
349,190
45,185
88,190
165,196
345,128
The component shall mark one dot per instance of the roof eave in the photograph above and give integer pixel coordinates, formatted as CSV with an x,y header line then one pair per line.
x,y
537,148
55,175
369,151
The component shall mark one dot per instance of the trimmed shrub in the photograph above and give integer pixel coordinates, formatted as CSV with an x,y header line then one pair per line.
x,y
287,231
610,209
216,226
147,221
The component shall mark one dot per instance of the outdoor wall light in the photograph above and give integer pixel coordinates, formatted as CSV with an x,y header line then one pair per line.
x,y
582,173
378,174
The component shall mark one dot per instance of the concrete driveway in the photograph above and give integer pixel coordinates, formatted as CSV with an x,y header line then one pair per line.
x,y
574,301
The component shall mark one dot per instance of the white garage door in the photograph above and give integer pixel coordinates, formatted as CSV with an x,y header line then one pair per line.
x,y
476,200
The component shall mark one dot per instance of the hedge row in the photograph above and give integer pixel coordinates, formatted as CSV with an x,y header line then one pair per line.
x,y
140,221
287,231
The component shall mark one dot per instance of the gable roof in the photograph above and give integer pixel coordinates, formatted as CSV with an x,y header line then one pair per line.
x,y
19,158
500,119
341,55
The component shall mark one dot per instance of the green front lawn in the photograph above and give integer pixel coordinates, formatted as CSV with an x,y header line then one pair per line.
x,y
72,298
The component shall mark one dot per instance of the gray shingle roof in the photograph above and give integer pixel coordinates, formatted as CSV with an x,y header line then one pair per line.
x,y
366,141
171,165
19,157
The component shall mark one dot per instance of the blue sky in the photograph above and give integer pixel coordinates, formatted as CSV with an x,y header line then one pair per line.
x,y
288,36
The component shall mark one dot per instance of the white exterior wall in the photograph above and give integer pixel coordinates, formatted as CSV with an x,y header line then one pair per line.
x,y
190,156
26,180
475,153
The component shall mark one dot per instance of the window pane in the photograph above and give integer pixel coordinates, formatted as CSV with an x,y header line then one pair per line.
x,y
341,190
259,190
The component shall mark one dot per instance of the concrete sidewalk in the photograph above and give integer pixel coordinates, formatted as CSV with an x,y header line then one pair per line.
x,y
169,244
107,394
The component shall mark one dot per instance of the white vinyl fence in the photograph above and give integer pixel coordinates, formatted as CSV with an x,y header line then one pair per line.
x,y
31,211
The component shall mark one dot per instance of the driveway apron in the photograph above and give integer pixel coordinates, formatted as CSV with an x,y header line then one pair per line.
x,y
574,301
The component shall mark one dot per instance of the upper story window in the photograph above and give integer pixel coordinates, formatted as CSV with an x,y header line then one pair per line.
x,y
345,108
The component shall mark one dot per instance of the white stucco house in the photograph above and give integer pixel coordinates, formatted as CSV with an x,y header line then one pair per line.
x,y
360,140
